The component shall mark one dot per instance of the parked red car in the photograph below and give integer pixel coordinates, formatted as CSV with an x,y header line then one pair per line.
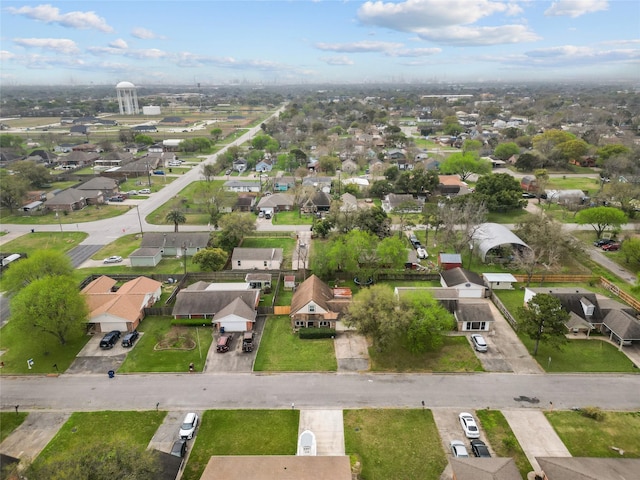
x,y
611,247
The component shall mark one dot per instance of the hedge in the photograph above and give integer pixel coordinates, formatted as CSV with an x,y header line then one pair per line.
x,y
311,333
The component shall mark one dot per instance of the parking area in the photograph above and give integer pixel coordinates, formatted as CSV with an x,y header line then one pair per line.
x,y
93,359
235,360
28,440
352,352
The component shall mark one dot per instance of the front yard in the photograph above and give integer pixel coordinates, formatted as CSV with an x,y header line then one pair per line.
x,y
281,350
586,437
402,444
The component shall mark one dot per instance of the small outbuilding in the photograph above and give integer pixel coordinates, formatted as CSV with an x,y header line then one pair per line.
x,y
447,261
499,281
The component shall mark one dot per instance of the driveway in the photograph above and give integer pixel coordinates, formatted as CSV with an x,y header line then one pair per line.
x,y
93,359
27,441
235,360
535,435
167,433
328,427
352,352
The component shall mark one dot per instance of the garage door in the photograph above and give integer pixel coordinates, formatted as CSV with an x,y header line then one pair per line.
x,y
234,326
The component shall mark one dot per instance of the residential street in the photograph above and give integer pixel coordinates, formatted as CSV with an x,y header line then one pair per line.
x,y
315,390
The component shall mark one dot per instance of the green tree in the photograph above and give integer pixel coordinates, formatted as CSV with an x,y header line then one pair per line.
x,y
373,313
543,320
99,461
427,322
8,140
144,139
528,161
380,188
234,227
216,133
176,217
12,190
504,151
500,192
210,259
208,171
612,150
392,173
572,149
471,145
375,221
35,175
40,264
215,198
601,218
52,304
391,252
259,142
464,165
630,249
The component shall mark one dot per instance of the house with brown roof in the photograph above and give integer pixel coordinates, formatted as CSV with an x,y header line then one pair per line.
x,y
587,468
315,304
495,468
113,308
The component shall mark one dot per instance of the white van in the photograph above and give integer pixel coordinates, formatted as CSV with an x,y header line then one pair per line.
x,y
422,253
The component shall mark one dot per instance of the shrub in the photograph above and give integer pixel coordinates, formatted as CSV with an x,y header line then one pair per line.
x,y
312,333
593,412
192,322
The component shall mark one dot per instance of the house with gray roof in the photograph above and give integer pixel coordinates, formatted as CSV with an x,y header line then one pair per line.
x,y
67,200
408,204
256,258
468,284
278,202
176,244
204,300
239,186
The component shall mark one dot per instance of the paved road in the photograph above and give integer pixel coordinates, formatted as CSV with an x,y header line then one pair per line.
x,y
326,391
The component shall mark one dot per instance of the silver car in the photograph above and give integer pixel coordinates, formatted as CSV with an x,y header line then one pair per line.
x,y
479,342
458,449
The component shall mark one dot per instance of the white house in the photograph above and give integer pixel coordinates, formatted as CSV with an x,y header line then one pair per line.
x,y
499,281
256,258
238,186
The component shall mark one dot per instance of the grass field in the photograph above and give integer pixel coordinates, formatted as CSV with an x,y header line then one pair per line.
x,y
242,432
184,345
86,428
456,355
586,437
45,350
502,439
87,214
9,421
291,218
394,444
282,351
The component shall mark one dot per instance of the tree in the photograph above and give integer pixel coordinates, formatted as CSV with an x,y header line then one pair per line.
x,y
373,313
12,190
464,165
40,264
630,249
380,188
500,192
542,179
528,161
52,304
543,320
216,133
176,217
215,198
35,175
210,259
208,171
235,226
144,139
504,151
601,218
391,252
460,219
571,149
427,322
99,460
375,221
471,145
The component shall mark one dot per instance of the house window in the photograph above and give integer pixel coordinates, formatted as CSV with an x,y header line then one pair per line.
x,y
265,263
324,323
310,324
312,308
299,323
239,262
476,325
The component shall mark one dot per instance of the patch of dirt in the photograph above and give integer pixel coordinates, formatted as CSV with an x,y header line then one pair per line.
x,y
178,338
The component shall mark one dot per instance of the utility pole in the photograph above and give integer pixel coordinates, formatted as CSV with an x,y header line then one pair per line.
x,y
184,256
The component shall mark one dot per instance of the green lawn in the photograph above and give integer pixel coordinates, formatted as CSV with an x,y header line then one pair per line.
x,y
502,439
586,437
182,345
9,421
242,432
515,216
456,355
59,242
85,428
87,214
394,444
282,351
45,350
291,218
572,182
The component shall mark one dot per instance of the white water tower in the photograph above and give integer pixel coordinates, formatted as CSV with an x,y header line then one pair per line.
x,y
127,98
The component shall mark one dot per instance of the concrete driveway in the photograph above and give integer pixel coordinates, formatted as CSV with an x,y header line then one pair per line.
x,y
328,427
93,359
235,360
352,352
535,435
27,441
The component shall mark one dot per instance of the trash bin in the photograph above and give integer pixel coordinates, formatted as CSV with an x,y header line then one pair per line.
x,y
111,373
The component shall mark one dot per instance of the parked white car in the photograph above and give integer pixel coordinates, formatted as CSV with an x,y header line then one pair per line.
x,y
113,259
189,425
422,253
145,191
479,343
469,425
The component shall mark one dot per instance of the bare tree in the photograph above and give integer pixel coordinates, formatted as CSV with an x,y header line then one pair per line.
x,y
460,220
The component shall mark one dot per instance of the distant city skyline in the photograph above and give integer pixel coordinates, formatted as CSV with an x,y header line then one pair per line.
x,y
311,42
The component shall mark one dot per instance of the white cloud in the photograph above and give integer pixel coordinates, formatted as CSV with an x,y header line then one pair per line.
x,y
359,47
51,14
576,8
569,56
46,62
144,33
414,52
6,55
119,43
58,45
448,22
478,36
341,60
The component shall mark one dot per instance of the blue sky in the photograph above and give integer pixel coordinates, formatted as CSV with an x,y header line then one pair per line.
x,y
304,41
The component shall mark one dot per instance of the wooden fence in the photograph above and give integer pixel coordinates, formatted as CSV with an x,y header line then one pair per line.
x,y
500,306
554,278
613,288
